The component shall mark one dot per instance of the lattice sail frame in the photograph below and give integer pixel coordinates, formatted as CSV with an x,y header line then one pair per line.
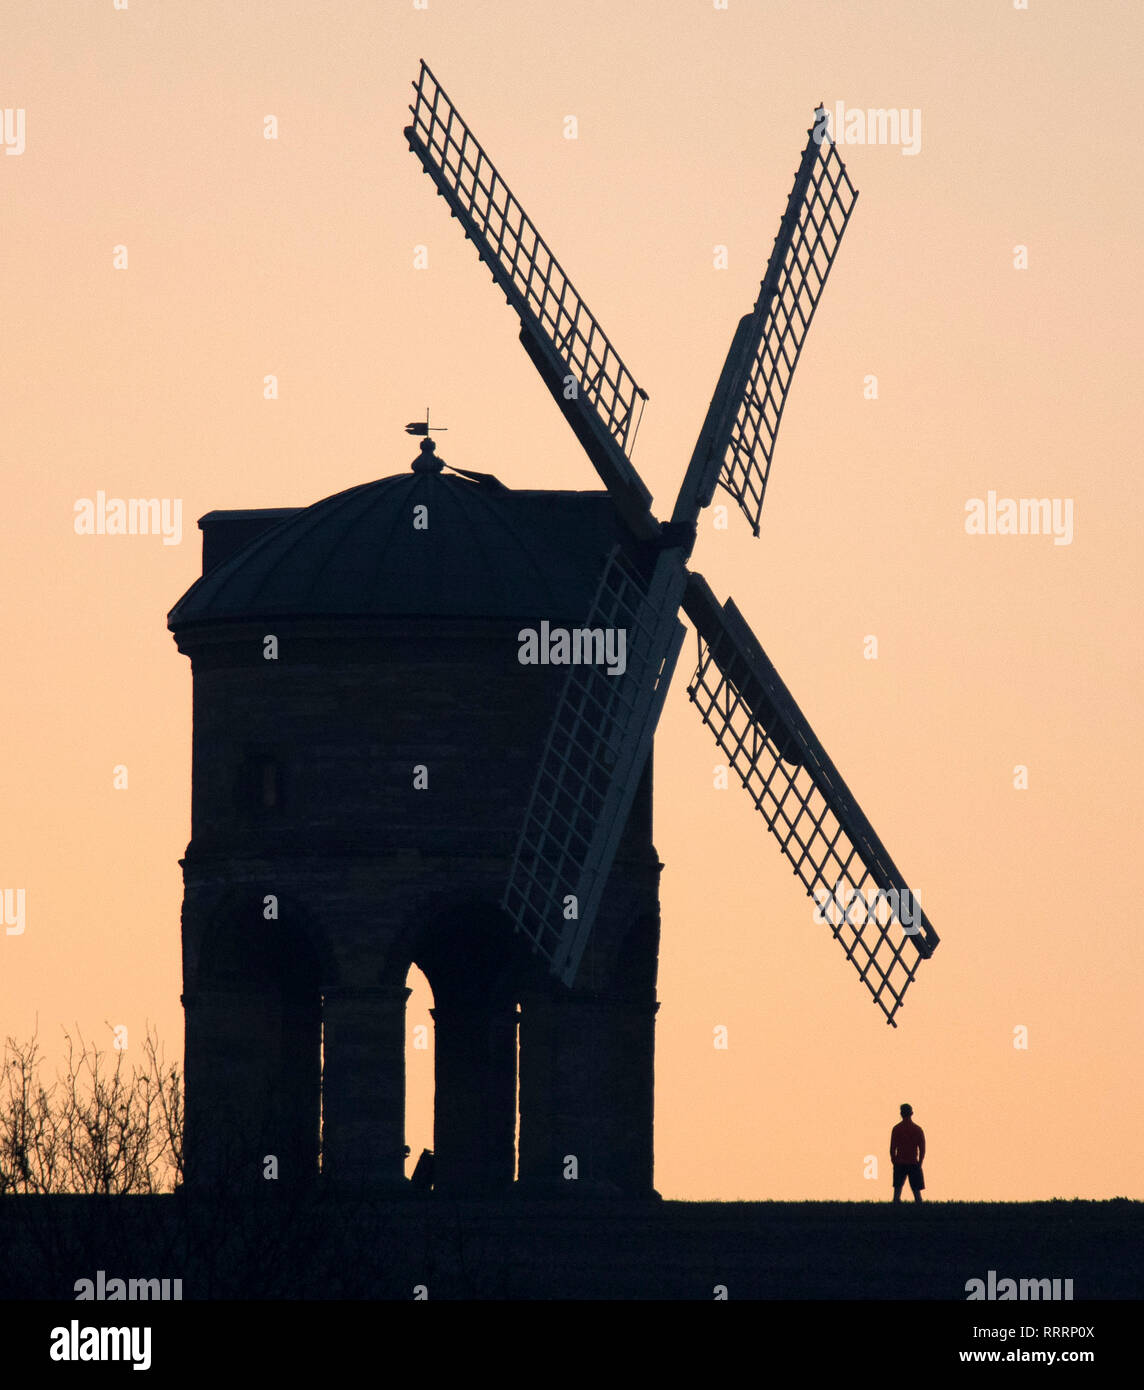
x,y
809,235
597,747
522,263
808,808
598,743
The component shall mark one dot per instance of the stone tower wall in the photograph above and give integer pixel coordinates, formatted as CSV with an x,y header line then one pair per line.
x,y
370,874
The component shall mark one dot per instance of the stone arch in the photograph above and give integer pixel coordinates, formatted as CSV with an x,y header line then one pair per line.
x,y
474,964
237,930
254,1041
469,952
587,1069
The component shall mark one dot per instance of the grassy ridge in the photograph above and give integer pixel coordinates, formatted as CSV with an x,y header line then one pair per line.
x,y
318,1247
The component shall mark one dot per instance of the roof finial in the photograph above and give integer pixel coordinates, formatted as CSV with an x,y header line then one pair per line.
x,y
428,462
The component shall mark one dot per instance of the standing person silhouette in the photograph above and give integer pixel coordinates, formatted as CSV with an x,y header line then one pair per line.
x,y
907,1153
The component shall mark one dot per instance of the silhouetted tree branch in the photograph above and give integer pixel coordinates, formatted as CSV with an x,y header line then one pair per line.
x,y
94,1129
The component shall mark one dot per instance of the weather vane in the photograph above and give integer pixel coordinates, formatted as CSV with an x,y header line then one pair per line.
x,y
423,427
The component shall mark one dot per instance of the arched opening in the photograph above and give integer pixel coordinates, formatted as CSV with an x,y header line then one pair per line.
x,y
471,962
419,1067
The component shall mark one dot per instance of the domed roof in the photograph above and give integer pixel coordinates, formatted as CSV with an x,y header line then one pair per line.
x,y
487,551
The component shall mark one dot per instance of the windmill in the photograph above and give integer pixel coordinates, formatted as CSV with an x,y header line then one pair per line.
x,y
603,726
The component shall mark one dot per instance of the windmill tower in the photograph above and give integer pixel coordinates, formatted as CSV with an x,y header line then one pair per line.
x,y
365,743
424,715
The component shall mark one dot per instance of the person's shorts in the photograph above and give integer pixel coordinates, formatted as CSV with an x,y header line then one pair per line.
x,y
913,1171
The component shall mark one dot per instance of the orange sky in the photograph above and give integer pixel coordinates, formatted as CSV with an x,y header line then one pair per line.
x,y
246,256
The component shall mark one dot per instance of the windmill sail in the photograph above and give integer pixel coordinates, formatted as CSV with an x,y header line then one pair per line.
x,y
598,744
602,730
807,806
737,441
575,357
